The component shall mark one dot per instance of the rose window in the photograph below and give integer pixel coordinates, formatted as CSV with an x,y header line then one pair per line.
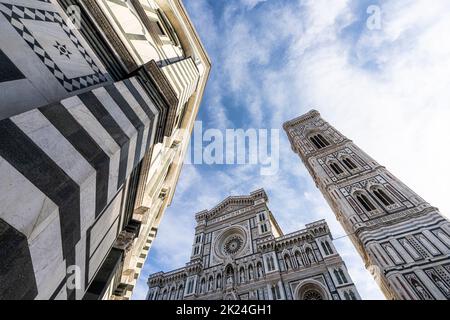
x,y
233,245
312,295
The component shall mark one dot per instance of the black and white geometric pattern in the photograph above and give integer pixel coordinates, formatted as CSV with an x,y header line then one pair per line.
x,y
68,162
15,14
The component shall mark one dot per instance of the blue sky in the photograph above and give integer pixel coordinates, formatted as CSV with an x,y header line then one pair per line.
x,y
386,89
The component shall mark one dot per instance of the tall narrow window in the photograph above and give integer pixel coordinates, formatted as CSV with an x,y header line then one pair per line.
x,y
346,295
263,228
349,163
219,281
342,274
190,285
242,275
259,270
325,249
287,261
276,292
352,295
383,197
336,168
319,141
270,263
298,258
365,202
250,272
329,247
338,277
202,285
211,284
323,140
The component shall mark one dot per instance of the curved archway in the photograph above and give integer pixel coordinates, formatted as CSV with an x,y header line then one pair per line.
x,y
311,290
229,275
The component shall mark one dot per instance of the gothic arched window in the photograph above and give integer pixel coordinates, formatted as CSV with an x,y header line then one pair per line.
x,y
349,163
365,202
298,258
287,261
336,168
338,277
219,281
352,295
325,249
319,141
342,274
242,275
259,269
276,292
250,272
270,263
329,247
180,292
202,286
172,294
346,295
229,274
211,283
310,255
383,197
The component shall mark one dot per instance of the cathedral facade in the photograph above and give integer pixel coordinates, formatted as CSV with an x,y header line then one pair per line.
x,y
240,253
404,241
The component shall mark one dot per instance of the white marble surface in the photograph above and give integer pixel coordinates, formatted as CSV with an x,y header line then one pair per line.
x,y
138,110
101,226
117,114
53,143
24,206
82,114
47,34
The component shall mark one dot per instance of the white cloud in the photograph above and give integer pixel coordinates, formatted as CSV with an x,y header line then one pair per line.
x,y
250,4
387,90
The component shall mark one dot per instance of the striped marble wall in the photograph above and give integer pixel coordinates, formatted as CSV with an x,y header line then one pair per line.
x,y
63,168
183,75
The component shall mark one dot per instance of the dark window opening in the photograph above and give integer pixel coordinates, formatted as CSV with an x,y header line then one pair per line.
x,y
349,163
336,168
365,202
383,197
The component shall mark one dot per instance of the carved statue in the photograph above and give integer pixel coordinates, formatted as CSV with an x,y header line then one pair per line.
x,y
441,285
422,292
311,256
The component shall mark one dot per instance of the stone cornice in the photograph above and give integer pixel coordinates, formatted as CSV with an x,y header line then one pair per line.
x,y
166,90
108,30
303,118
146,21
232,200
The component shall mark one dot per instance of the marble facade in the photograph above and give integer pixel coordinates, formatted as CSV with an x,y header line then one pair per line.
x,y
403,240
91,139
240,253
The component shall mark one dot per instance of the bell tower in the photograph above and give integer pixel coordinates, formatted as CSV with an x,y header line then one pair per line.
x,y
404,241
